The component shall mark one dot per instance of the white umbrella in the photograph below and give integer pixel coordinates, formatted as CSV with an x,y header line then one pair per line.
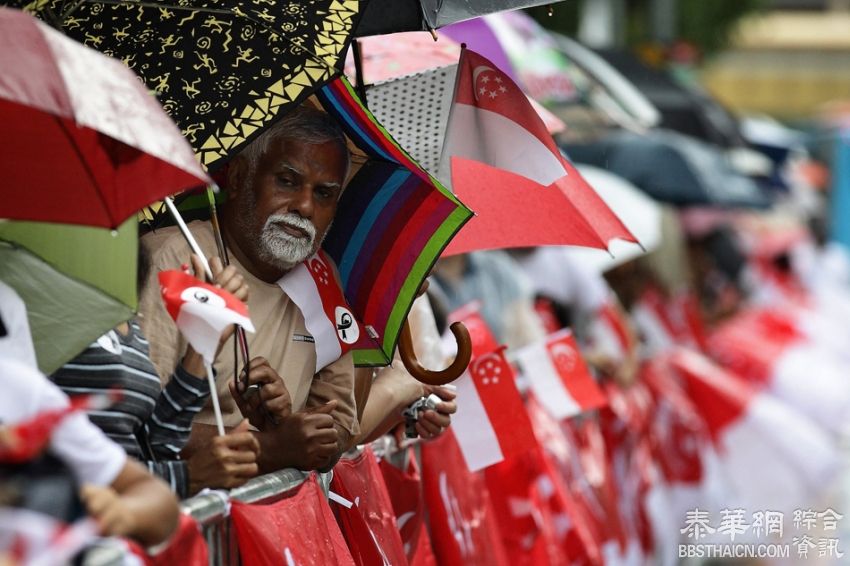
x,y
640,214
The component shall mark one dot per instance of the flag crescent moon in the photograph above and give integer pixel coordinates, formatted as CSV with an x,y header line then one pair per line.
x,y
475,72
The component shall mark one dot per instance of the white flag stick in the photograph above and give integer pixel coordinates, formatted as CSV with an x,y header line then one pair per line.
x,y
189,237
219,422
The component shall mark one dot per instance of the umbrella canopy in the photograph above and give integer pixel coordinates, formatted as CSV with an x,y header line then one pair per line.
x,y
394,219
390,16
391,59
223,70
77,282
683,109
618,86
534,58
83,141
640,214
671,168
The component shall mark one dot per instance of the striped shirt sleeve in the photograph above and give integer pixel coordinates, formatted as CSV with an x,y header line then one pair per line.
x,y
173,472
170,424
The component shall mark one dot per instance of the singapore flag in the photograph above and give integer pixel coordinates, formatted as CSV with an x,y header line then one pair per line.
x,y
491,423
500,159
559,377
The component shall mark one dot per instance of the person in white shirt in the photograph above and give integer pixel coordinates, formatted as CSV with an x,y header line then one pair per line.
x,y
117,492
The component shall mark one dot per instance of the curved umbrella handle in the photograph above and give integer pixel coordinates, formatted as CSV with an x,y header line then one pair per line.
x,y
441,377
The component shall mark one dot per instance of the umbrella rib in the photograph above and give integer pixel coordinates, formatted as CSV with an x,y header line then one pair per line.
x,y
221,11
85,165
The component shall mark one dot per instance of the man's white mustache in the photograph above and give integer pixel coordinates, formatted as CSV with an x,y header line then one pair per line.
x,y
294,221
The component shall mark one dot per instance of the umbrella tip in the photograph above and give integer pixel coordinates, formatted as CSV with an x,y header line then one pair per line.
x,y
434,34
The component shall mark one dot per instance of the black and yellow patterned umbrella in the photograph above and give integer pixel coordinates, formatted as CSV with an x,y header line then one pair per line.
x,y
223,69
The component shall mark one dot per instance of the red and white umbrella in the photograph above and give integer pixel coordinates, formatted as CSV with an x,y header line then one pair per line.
x,y
83,142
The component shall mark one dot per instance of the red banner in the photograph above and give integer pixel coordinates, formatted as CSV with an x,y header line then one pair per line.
x,y
299,530
405,489
187,546
369,526
463,528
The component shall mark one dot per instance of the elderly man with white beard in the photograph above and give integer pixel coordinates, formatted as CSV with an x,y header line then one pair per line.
x,y
282,191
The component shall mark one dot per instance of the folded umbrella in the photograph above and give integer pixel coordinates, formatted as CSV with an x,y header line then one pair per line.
x,y
83,141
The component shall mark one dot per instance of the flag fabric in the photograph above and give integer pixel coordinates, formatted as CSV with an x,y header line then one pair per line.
x,y
463,524
774,457
35,539
559,377
26,440
571,525
393,223
481,337
314,286
611,333
405,491
494,141
369,526
491,423
201,311
186,546
299,530
767,348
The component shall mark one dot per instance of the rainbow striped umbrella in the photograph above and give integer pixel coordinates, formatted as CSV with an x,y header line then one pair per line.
x,y
392,223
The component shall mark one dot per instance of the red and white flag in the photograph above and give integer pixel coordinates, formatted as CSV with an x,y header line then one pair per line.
x,y
26,440
201,311
463,524
35,539
491,423
774,457
314,286
766,347
496,151
559,377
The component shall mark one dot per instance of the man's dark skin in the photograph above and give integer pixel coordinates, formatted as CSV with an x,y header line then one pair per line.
x,y
305,179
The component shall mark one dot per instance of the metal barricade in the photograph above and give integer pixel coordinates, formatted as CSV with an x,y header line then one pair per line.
x,y
211,510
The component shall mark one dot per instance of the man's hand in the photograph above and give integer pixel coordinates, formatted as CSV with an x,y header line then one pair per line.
x,y
227,462
433,423
272,394
105,506
310,437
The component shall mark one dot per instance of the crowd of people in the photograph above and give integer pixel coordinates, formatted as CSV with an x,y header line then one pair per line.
x,y
721,356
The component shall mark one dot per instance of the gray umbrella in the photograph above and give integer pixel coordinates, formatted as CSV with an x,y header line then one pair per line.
x,y
672,168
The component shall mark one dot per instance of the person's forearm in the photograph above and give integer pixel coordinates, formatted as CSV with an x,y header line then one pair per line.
x,y
390,422
155,510
389,394
149,502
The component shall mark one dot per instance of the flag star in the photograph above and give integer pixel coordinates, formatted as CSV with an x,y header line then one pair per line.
x,y
485,79
482,90
498,80
493,94
503,89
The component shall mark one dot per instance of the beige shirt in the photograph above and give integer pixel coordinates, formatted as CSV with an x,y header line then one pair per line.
x,y
279,336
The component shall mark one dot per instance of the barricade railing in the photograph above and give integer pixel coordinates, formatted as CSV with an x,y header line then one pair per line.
x,y
211,510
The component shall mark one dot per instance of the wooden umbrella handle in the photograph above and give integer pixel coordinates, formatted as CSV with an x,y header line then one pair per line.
x,y
431,377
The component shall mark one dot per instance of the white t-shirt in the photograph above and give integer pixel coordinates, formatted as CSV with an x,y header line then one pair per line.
x,y
90,455
17,343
